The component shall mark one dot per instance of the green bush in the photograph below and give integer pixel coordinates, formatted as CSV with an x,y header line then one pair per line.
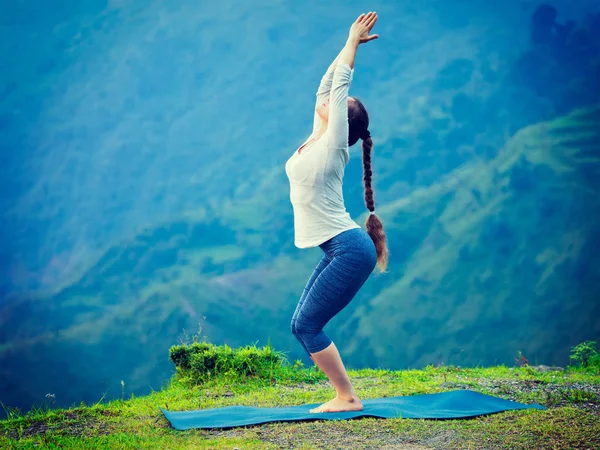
x,y
585,355
203,360
181,355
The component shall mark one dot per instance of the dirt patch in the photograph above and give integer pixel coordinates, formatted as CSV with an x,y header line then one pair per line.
x,y
579,395
333,436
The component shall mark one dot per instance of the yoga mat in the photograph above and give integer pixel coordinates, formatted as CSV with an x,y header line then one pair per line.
x,y
456,404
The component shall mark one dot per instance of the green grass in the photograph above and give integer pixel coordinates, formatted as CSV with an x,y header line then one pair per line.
x,y
572,397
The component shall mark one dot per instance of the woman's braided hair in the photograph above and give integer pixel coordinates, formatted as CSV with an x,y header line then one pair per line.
x,y
358,122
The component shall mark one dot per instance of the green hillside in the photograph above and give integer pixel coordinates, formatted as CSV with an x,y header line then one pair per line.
x,y
504,259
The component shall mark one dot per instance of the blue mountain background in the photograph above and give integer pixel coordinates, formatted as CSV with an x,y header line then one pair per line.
x,y
143,195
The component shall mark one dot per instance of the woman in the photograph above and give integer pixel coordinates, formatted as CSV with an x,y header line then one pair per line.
x,y
315,172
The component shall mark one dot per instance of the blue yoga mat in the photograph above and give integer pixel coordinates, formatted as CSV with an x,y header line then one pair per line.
x,y
442,405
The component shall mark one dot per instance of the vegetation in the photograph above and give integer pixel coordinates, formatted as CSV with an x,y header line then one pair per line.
x,y
210,376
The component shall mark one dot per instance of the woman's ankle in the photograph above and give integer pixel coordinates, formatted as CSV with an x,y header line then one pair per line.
x,y
348,396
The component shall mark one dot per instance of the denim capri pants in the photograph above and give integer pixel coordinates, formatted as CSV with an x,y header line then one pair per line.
x,y
349,258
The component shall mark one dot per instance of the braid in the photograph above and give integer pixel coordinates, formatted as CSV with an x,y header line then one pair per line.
x,y
373,224
368,174
358,128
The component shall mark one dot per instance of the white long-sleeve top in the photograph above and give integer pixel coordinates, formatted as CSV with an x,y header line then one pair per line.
x,y
316,173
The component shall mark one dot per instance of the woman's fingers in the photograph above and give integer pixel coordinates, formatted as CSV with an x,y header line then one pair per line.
x,y
367,20
371,21
364,17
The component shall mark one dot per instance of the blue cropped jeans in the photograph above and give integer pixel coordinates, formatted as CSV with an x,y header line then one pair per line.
x,y
349,259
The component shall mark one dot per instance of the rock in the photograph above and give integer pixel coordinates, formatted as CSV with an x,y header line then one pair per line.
x,y
543,368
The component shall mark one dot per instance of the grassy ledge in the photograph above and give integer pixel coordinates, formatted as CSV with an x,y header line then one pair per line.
x,y
210,376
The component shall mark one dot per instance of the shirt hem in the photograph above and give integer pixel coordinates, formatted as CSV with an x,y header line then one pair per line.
x,y
311,245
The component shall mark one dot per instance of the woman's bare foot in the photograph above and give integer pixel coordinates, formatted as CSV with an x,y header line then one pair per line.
x,y
338,404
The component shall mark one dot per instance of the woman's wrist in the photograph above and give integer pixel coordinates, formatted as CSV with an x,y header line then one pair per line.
x,y
348,53
353,41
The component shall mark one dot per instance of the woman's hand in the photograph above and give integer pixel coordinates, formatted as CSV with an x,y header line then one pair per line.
x,y
361,28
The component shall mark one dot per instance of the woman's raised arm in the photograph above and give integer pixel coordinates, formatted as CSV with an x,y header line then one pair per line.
x,y
338,127
324,90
